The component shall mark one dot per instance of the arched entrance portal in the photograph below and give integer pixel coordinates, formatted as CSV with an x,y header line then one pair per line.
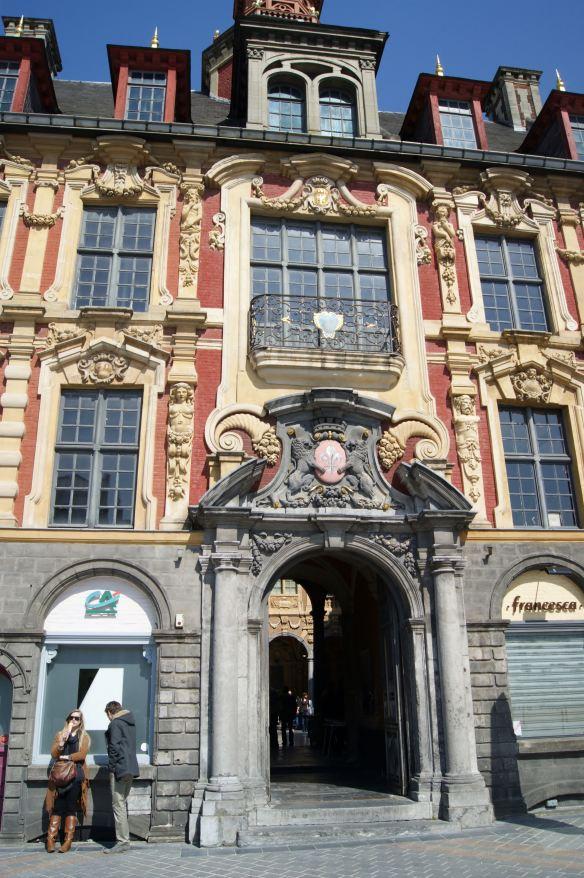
x,y
357,730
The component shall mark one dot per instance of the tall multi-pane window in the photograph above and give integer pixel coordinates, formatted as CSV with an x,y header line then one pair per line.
x,y
337,112
96,459
512,286
457,124
539,472
114,259
300,269
146,96
2,213
8,77
577,123
286,107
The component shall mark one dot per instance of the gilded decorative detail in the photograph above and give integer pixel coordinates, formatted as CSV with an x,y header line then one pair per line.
x,y
532,385
423,253
263,436
179,434
190,235
467,444
103,368
217,233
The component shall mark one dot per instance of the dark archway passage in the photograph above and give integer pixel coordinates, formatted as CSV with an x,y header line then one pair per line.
x,y
356,735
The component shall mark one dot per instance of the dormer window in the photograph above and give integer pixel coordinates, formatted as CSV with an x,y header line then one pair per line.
x,y
286,107
146,96
457,124
337,112
577,123
8,78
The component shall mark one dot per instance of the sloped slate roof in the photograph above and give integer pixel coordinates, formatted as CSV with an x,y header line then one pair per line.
x,y
96,99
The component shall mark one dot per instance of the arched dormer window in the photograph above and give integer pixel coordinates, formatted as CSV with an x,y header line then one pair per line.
x,y
286,106
337,112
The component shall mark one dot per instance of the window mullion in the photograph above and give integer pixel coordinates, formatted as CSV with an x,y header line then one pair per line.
x,y
536,457
355,263
97,460
510,282
320,272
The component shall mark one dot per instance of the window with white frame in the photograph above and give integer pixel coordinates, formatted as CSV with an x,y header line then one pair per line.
x,y
114,258
96,459
146,96
457,124
314,284
8,79
2,213
286,106
511,283
539,468
337,112
577,123
98,648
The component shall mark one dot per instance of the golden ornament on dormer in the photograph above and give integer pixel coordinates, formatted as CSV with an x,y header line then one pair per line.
x,y
560,84
155,41
20,26
439,68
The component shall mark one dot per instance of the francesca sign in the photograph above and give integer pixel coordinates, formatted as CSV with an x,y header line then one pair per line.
x,y
538,596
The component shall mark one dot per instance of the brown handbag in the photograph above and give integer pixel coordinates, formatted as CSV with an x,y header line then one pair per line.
x,y
63,773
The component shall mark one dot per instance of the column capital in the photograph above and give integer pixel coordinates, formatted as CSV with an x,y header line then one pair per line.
x,y
223,561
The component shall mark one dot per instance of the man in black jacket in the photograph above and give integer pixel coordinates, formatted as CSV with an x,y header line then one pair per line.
x,y
123,768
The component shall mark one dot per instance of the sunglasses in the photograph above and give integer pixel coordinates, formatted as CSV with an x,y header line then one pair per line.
x,y
73,716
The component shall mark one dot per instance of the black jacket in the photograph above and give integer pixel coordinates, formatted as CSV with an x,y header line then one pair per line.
x,y
121,745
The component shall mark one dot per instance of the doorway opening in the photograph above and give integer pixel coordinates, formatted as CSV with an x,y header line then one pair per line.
x,y
336,687
5,716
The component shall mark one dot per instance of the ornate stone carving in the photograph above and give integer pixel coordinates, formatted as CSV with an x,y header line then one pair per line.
x,y
572,257
502,208
487,354
103,368
382,195
190,235
392,445
266,544
179,434
367,64
444,235
263,437
532,384
401,548
467,444
40,220
423,254
17,159
119,181
255,54
56,335
217,233
316,195
568,357
148,334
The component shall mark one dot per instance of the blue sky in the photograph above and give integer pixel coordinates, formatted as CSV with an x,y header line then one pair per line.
x,y
472,38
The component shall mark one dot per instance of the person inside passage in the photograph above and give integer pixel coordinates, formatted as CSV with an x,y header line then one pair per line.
x,y
64,803
123,768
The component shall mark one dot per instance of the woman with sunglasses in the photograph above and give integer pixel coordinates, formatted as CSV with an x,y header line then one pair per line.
x,y
72,744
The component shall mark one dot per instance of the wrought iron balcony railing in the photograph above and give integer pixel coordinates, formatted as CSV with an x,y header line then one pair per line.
x,y
277,321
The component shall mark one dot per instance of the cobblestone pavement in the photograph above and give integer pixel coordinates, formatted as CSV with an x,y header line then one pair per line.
x,y
532,847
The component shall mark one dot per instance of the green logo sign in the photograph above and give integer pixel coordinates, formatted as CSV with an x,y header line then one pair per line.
x,y
102,603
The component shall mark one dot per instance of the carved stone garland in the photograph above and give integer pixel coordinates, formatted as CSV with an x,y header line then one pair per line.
x,y
179,434
468,445
317,195
266,544
402,549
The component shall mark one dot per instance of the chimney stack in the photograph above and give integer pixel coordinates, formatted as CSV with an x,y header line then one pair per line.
x,y
42,29
514,98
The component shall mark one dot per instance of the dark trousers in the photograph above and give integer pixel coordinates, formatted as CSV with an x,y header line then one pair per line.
x,y
287,725
66,802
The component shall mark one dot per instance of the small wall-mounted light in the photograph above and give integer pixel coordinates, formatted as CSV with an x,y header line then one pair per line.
x,y
179,620
487,554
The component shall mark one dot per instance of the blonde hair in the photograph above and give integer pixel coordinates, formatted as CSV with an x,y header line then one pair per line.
x,y
82,734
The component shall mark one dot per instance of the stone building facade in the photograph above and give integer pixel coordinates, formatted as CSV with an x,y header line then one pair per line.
x,y
268,332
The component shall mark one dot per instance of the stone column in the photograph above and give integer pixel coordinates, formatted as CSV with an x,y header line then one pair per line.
x,y
465,797
415,670
223,804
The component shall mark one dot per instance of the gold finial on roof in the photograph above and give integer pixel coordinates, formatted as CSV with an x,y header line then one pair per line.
x,y
439,68
216,34
20,26
560,84
155,41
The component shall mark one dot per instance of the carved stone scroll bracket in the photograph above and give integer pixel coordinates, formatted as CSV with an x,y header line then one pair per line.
x,y
264,544
433,444
444,236
468,447
179,434
423,253
217,233
263,436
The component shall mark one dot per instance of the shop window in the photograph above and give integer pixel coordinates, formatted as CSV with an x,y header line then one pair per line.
x,y
337,113
98,648
577,123
146,96
539,468
96,459
319,285
8,78
545,654
511,283
457,124
286,107
114,259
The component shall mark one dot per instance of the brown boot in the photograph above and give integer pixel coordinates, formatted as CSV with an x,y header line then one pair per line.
x,y
53,832
70,827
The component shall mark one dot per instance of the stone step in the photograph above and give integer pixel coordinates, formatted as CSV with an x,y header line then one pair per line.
x,y
302,812
339,833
